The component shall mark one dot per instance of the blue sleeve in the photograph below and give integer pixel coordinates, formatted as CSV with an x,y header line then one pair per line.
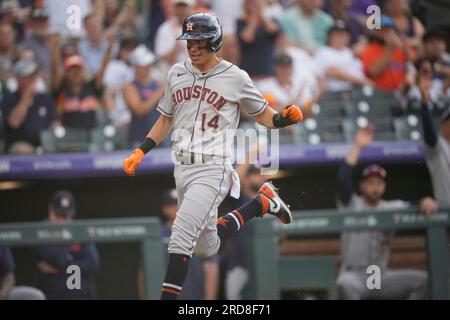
x,y
7,264
429,131
344,183
90,259
57,256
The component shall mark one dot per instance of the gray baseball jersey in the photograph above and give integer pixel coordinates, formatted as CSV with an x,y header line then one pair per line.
x,y
205,107
438,162
360,249
205,114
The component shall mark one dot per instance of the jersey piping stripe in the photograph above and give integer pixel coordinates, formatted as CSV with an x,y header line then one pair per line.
x,y
164,112
259,111
207,214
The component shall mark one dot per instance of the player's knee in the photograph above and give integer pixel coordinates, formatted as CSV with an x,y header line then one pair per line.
x,y
205,250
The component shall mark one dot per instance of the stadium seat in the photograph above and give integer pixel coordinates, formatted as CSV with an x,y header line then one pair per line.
x,y
108,138
408,127
60,139
383,126
313,131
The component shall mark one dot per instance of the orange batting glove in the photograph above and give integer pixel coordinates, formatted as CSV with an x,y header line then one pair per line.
x,y
290,115
132,162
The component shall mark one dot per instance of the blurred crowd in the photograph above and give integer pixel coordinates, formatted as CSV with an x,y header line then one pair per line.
x,y
104,62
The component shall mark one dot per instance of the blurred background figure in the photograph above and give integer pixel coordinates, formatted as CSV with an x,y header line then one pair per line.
x,y
166,46
142,94
8,50
306,25
405,23
257,32
94,46
26,111
53,260
77,99
340,10
119,73
356,257
233,253
202,279
7,269
8,290
37,35
386,57
338,65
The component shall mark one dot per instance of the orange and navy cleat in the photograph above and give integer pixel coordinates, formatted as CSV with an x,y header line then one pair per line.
x,y
271,203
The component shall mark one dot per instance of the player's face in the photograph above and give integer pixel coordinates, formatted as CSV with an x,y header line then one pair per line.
x,y
198,52
373,188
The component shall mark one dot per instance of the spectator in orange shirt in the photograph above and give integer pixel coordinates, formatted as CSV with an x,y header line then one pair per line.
x,y
386,57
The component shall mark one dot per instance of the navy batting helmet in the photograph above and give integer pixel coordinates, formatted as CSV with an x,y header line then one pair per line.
x,y
201,26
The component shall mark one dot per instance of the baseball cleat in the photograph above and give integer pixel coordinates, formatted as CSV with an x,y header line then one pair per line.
x,y
272,203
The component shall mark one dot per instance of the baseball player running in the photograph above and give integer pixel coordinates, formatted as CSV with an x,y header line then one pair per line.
x,y
201,104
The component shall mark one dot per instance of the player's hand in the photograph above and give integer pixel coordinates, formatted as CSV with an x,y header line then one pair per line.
x,y
428,206
132,162
292,114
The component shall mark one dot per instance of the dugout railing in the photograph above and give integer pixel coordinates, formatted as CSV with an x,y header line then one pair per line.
x,y
146,231
264,259
268,270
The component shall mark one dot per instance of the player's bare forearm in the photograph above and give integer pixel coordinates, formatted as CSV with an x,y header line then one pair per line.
x,y
160,129
265,118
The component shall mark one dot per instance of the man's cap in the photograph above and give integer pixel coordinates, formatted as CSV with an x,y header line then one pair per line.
x,y
374,170
445,115
283,59
63,203
40,13
24,68
190,3
141,56
169,197
74,61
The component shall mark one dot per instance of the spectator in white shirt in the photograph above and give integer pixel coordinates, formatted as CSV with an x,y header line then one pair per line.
x,y
166,46
119,73
337,64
